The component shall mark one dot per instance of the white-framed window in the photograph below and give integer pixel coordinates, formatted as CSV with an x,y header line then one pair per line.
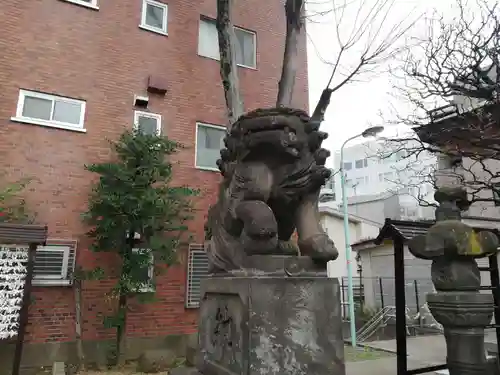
x,y
147,123
146,273
86,3
361,163
54,264
154,16
209,142
347,166
196,272
50,110
208,43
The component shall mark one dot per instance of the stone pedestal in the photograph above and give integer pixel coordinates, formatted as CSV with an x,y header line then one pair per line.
x,y
286,322
463,316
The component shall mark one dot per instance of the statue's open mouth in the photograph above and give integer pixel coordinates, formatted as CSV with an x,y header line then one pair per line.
x,y
263,124
281,139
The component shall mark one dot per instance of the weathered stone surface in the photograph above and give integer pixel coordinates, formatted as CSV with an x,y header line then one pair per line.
x,y
273,168
279,265
458,305
59,368
184,371
271,325
152,361
493,365
461,309
192,350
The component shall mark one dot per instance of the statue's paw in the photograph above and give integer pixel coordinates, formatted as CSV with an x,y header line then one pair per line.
x,y
287,248
258,219
320,248
264,245
262,228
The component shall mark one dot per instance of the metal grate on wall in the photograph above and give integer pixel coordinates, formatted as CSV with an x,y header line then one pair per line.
x,y
54,264
197,270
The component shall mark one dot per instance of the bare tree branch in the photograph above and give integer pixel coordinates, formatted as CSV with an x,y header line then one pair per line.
x,y
451,82
369,26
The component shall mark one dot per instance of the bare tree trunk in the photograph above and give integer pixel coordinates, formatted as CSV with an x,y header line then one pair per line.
x,y
121,337
294,23
228,65
122,313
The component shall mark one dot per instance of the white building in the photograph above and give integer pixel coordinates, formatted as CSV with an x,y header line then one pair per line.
x,y
332,221
371,170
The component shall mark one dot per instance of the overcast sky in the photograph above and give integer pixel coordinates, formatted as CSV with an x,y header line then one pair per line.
x,y
356,106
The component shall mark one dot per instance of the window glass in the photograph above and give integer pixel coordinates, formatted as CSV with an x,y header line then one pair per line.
x,y
155,16
209,142
37,108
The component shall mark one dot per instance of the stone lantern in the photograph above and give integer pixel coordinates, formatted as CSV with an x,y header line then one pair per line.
x,y
457,304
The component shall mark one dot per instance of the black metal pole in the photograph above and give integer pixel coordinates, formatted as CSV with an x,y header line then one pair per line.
x,y
381,287
495,283
23,313
399,276
417,301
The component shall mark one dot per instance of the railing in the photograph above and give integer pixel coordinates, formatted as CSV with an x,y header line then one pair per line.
x,y
378,320
388,313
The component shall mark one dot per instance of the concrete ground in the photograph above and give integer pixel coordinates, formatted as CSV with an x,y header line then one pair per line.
x,y
423,351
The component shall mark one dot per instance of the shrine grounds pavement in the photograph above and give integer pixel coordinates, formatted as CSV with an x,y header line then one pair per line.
x,y
423,351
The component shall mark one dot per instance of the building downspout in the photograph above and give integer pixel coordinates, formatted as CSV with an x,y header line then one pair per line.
x,y
78,324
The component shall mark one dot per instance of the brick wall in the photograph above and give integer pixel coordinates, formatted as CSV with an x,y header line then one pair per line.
x,y
103,57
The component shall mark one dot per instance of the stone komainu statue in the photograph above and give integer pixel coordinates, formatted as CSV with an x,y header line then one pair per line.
x,y
273,169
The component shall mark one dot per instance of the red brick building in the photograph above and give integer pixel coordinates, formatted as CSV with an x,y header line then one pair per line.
x,y
73,74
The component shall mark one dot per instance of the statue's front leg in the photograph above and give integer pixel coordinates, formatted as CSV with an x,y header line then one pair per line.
x,y
313,241
250,218
260,229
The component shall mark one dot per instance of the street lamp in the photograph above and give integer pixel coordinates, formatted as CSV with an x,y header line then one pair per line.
x,y
370,132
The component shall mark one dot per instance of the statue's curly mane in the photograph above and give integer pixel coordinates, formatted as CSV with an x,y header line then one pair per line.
x,y
260,112
235,145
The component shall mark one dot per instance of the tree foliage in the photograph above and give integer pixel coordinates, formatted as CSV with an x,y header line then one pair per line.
x,y
13,207
134,206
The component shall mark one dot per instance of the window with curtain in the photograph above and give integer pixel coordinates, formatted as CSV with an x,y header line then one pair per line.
x,y
209,142
208,43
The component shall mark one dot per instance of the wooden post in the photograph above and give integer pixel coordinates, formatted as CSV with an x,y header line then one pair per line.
x,y
23,313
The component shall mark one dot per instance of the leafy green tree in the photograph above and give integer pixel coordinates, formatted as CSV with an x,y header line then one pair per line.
x,y
12,205
135,212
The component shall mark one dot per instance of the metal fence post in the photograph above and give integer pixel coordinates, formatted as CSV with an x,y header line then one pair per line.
x,y
381,288
417,301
